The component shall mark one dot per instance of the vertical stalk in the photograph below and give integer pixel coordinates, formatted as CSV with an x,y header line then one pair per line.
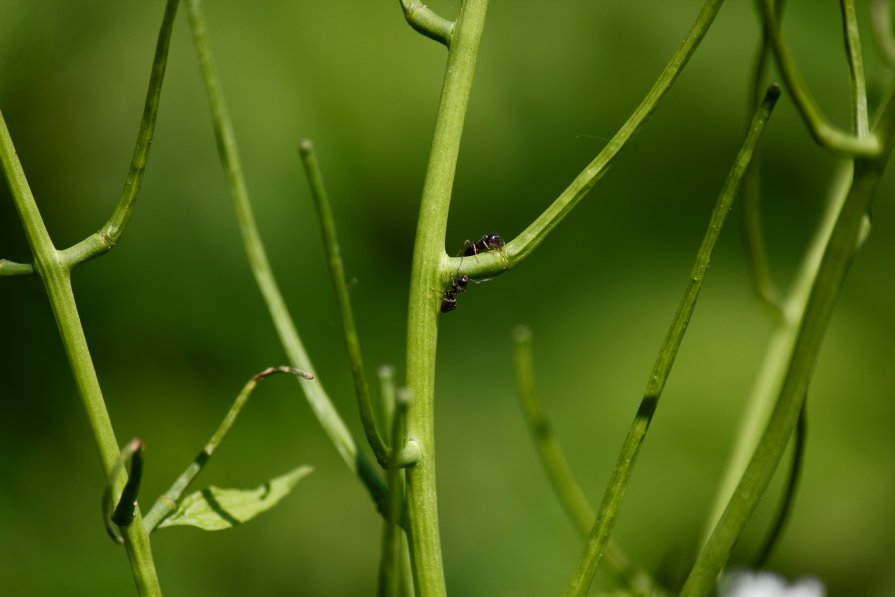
x,y
56,278
428,275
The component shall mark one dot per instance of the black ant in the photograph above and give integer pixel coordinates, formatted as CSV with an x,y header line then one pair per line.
x,y
449,297
489,242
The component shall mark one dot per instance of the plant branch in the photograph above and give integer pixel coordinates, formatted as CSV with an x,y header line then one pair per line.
x,y
756,252
11,268
855,69
824,133
57,282
560,473
337,273
612,500
492,263
319,401
107,237
789,494
881,20
825,287
167,503
424,20
392,544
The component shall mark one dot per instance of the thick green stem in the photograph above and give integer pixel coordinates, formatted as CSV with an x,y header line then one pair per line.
x,y
56,277
426,277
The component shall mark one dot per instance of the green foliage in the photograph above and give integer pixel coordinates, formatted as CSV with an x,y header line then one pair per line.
x,y
174,321
216,509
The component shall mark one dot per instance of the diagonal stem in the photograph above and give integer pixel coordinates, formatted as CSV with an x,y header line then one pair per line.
x,y
337,273
319,401
612,500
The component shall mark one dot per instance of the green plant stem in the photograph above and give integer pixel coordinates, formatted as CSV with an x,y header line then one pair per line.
x,y
881,19
11,268
107,237
57,281
789,493
612,500
424,20
780,346
337,273
861,117
756,253
824,291
167,503
495,262
319,401
557,467
427,276
392,542
824,133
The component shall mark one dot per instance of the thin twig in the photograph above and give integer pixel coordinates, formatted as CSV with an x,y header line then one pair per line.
x,y
337,274
567,488
612,500
167,503
319,401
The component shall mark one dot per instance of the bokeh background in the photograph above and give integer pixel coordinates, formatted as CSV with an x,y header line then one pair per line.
x,y
176,325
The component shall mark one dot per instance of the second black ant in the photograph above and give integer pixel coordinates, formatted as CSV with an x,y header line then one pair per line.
x,y
449,296
489,242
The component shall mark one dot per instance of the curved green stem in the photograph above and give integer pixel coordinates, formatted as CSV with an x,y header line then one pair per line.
x,y
424,20
756,253
612,500
107,237
319,401
492,263
824,133
557,467
427,276
337,273
56,278
167,503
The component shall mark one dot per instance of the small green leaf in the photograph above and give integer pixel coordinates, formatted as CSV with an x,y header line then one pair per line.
x,y
215,509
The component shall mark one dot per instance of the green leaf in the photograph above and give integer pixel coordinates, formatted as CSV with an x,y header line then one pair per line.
x,y
215,509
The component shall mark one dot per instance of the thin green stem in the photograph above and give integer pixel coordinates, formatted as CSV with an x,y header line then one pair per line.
x,y
107,237
612,500
756,253
881,20
167,503
825,133
11,268
392,537
427,276
337,273
789,493
387,395
560,473
492,263
319,401
57,282
119,510
856,80
424,20
825,287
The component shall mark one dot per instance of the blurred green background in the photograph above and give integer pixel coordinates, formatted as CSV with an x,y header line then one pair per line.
x,y
176,325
